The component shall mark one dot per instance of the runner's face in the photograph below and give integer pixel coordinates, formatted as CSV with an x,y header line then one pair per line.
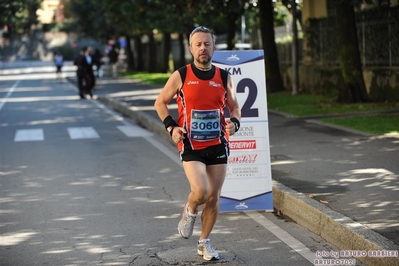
x,y
202,47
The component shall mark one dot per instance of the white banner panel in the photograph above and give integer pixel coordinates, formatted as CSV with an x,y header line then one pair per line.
x,y
248,180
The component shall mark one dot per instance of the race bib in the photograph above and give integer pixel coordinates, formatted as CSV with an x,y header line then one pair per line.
x,y
205,125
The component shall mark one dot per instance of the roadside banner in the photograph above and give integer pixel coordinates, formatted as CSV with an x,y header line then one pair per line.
x,y
248,184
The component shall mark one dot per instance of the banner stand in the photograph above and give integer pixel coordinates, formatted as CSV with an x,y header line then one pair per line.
x,y
248,183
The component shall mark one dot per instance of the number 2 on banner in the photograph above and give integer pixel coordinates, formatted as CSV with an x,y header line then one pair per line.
x,y
247,109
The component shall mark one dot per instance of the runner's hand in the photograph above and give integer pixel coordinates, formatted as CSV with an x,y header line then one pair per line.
x,y
230,128
177,134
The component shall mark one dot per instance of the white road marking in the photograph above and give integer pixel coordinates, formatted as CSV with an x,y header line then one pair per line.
x,y
82,133
165,150
29,135
3,101
134,131
288,239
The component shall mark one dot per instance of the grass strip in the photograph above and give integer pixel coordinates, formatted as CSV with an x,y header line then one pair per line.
x,y
311,105
375,124
150,78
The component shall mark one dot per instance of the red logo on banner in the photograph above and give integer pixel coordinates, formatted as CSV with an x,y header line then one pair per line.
x,y
242,144
251,158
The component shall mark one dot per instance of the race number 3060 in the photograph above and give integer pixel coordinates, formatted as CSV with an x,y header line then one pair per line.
x,y
205,124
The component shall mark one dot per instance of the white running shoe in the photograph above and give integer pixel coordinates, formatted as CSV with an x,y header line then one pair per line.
x,y
206,250
186,224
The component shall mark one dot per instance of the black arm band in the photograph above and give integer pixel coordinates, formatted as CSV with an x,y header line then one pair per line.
x,y
169,122
236,123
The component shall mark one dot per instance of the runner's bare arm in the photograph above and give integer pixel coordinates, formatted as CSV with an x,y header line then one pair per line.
x,y
170,89
233,106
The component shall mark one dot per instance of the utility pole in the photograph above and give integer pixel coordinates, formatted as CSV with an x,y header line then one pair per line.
x,y
295,72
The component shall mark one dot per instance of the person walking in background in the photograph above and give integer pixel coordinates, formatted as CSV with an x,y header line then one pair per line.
x,y
201,132
98,62
78,62
113,59
90,79
85,73
59,62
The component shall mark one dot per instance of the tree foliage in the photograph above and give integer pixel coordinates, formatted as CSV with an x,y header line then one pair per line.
x,y
18,15
136,18
224,16
92,18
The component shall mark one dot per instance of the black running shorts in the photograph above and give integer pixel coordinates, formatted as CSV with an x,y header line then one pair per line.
x,y
212,155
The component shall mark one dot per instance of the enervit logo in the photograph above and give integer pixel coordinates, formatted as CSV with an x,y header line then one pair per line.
x,y
242,144
251,158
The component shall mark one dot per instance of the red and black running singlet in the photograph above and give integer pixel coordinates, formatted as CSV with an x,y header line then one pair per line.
x,y
201,102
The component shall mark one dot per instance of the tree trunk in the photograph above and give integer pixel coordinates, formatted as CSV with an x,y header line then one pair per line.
x,y
10,32
166,52
139,53
231,31
153,54
295,49
129,53
182,49
353,88
274,81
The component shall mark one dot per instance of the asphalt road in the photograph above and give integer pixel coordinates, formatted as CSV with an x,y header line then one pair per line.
x,y
82,185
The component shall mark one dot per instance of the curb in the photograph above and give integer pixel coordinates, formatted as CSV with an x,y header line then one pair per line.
x,y
354,131
334,227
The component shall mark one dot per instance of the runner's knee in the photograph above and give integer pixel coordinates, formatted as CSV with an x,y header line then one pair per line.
x,y
200,195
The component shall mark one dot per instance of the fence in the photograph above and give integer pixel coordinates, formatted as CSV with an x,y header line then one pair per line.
x,y
378,35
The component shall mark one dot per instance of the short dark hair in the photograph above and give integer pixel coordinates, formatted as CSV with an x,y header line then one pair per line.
x,y
202,29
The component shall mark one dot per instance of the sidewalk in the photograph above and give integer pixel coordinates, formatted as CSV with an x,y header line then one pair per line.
x,y
355,175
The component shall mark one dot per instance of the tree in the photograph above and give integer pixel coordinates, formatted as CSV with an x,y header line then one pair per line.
x,y
18,15
353,88
231,11
92,18
274,81
102,19
123,15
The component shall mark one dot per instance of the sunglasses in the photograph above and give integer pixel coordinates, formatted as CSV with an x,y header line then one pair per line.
x,y
202,29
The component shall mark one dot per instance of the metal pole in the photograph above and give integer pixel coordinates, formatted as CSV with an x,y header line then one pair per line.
x,y
295,75
390,39
243,26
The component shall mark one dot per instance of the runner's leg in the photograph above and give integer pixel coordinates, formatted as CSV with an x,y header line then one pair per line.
x,y
196,175
216,176
206,184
